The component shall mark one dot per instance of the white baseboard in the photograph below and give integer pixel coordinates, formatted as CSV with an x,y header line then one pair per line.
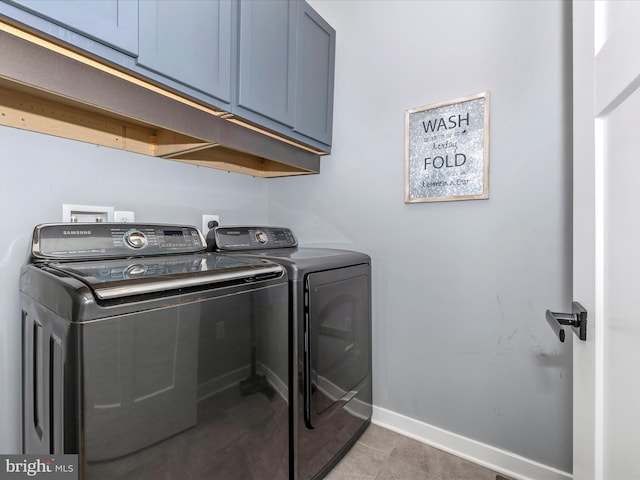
x,y
501,461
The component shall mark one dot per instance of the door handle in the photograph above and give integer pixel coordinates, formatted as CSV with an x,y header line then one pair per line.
x,y
577,320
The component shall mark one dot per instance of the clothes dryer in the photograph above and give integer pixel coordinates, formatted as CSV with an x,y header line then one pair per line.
x,y
330,314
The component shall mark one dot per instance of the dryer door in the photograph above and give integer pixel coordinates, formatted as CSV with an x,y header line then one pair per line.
x,y
338,344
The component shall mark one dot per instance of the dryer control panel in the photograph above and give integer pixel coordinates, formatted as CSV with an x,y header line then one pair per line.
x,y
253,238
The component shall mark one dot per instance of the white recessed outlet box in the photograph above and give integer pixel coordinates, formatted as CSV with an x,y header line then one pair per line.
x,y
206,219
124,216
86,213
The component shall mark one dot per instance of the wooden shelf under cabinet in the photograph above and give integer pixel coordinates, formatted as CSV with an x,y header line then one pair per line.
x,y
50,89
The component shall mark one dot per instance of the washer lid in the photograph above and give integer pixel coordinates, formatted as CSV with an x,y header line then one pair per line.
x,y
117,278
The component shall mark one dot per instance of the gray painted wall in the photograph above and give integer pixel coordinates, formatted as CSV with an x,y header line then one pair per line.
x,y
40,173
460,288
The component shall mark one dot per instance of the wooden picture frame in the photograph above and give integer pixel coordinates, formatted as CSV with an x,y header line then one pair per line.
x,y
447,150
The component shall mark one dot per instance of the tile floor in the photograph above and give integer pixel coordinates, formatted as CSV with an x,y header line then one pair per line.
x,y
381,454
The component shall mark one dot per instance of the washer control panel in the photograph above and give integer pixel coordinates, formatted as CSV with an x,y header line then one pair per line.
x,y
253,238
74,241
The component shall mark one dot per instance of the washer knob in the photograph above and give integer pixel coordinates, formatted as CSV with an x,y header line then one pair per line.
x,y
261,237
135,239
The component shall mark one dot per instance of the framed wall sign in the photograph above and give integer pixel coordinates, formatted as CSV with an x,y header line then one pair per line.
x,y
447,150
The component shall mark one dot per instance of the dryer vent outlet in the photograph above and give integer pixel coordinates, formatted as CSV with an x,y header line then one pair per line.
x,y
207,222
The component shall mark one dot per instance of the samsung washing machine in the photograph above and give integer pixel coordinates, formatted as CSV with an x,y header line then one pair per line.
x,y
151,358
330,341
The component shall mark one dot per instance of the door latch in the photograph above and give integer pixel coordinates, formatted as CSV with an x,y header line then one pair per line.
x,y
577,320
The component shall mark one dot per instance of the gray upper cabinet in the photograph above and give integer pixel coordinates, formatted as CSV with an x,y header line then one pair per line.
x,y
268,62
286,60
112,22
316,46
190,42
267,56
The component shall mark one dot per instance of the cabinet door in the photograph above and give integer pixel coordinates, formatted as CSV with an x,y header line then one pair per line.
x,y
189,41
315,75
266,58
113,22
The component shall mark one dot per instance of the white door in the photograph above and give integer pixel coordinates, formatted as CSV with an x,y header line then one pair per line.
x,y
606,392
